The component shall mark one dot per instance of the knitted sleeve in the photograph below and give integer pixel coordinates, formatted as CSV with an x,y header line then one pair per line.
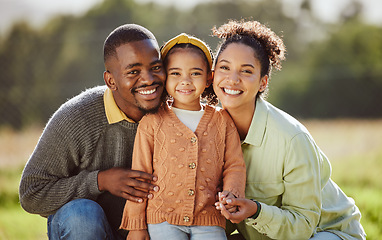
x,y
51,177
134,214
234,170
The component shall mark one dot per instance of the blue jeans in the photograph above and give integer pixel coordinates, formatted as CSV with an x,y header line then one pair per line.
x,y
168,231
325,236
80,219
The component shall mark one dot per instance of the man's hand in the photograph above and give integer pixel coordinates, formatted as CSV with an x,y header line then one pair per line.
x,y
246,208
129,184
138,235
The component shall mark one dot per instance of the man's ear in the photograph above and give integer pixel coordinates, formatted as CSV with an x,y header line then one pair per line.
x,y
210,78
109,80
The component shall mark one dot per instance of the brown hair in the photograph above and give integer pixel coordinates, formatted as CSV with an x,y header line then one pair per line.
x,y
268,47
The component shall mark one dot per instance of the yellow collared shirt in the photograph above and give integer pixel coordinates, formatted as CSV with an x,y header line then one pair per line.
x,y
113,113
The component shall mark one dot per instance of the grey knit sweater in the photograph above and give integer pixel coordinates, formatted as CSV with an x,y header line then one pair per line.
x,y
77,142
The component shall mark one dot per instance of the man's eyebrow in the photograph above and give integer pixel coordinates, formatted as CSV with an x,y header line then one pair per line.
x,y
133,65
156,62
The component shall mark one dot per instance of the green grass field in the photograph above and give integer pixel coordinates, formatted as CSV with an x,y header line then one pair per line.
x,y
354,148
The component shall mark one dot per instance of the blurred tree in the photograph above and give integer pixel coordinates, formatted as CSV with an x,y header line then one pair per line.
x,y
345,75
43,67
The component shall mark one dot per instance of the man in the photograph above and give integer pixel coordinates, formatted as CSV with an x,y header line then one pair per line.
x,y
78,176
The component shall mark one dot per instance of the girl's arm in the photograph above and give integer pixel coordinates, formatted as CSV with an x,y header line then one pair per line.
x,y
134,214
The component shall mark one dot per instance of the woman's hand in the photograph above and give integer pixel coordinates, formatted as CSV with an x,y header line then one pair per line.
x,y
245,208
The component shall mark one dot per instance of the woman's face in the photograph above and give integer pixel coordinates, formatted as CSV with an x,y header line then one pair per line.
x,y
237,78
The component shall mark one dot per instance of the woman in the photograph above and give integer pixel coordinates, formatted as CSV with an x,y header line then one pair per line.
x,y
288,177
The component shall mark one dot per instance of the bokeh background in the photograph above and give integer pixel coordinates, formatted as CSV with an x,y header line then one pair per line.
x,y
331,80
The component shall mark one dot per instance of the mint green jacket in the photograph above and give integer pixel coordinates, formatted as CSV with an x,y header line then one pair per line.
x,y
290,176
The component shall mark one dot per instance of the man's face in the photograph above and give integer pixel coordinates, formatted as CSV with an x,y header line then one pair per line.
x,y
136,77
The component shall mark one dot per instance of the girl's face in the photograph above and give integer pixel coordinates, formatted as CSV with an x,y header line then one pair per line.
x,y
187,77
237,78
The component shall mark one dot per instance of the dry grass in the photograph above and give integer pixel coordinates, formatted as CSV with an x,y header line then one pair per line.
x,y
340,139
337,138
16,147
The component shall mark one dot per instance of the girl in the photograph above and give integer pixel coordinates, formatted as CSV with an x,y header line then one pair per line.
x,y
288,176
191,147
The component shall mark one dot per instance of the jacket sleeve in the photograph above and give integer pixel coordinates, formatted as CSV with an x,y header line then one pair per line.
x,y
134,214
301,199
47,182
234,171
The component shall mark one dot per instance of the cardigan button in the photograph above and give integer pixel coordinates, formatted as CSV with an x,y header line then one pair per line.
x,y
193,140
186,218
191,192
182,149
205,133
192,165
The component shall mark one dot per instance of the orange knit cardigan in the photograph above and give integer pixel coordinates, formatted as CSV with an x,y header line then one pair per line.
x,y
191,168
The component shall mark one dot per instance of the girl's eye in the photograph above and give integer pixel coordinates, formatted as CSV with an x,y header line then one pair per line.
x,y
196,74
174,73
247,71
224,67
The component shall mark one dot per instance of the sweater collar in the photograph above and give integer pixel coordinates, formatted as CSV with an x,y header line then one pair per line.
x,y
258,125
113,113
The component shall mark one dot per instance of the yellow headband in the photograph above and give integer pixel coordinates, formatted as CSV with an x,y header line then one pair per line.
x,y
184,38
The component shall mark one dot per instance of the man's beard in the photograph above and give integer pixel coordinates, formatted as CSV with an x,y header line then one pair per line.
x,y
149,110
153,109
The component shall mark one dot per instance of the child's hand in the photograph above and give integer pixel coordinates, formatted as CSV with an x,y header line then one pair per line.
x,y
245,209
223,196
138,235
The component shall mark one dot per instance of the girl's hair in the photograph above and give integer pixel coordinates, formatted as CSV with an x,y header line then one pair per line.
x,y
208,95
268,47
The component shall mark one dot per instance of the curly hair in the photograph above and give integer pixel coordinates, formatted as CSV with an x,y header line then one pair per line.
x,y
208,95
268,47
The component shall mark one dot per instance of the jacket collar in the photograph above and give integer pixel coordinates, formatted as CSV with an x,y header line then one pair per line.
x,y
258,125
